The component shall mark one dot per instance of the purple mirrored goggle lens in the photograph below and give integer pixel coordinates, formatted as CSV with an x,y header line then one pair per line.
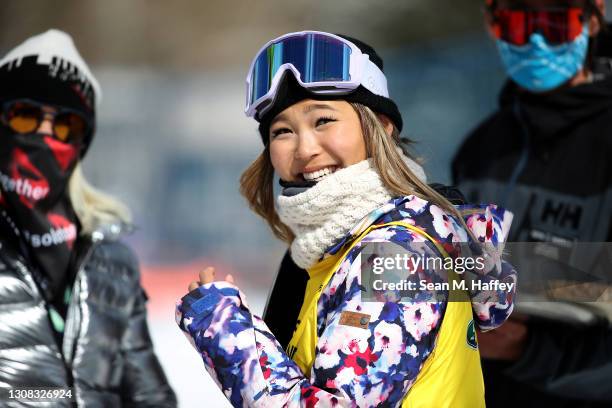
x,y
316,57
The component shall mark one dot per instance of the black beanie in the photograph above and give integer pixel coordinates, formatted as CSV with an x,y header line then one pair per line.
x,y
48,69
290,92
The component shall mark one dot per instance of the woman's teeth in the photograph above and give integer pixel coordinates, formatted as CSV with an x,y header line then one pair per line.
x,y
319,174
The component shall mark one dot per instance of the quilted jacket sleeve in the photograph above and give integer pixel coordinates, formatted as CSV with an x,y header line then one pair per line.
x,y
492,288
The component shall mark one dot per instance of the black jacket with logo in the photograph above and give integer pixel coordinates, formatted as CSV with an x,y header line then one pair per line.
x,y
548,159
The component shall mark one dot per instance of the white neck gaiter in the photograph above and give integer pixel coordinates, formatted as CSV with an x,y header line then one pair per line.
x,y
326,212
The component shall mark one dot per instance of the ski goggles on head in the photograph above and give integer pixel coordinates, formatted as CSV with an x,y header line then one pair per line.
x,y
321,62
557,25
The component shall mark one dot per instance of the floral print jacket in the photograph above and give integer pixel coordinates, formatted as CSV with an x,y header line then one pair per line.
x,y
353,366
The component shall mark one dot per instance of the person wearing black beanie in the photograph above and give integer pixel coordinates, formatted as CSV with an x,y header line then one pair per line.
x,y
73,311
290,92
349,194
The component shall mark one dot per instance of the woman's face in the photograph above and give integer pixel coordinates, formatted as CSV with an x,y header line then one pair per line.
x,y
312,139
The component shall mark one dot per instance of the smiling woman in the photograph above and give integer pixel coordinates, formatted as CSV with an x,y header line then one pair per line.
x,y
331,134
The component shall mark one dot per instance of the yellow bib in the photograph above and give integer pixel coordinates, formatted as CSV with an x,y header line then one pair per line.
x,y
302,346
450,377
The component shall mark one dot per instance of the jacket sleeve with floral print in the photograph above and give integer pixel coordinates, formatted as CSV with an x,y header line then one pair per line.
x,y
354,366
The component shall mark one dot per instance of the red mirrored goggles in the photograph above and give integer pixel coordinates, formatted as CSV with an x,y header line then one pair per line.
x,y
556,25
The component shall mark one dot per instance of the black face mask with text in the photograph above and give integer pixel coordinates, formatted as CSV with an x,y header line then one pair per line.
x,y
34,174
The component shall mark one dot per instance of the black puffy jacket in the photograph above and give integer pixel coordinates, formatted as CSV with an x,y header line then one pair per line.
x,y
106,355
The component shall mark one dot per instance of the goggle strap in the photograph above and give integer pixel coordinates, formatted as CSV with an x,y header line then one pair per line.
x,y
374,80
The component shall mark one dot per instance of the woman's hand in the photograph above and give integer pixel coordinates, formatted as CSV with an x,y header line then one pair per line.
x,y
207,275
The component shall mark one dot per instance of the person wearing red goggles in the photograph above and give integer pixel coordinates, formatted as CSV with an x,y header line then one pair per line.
x,y
543,44
544,155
